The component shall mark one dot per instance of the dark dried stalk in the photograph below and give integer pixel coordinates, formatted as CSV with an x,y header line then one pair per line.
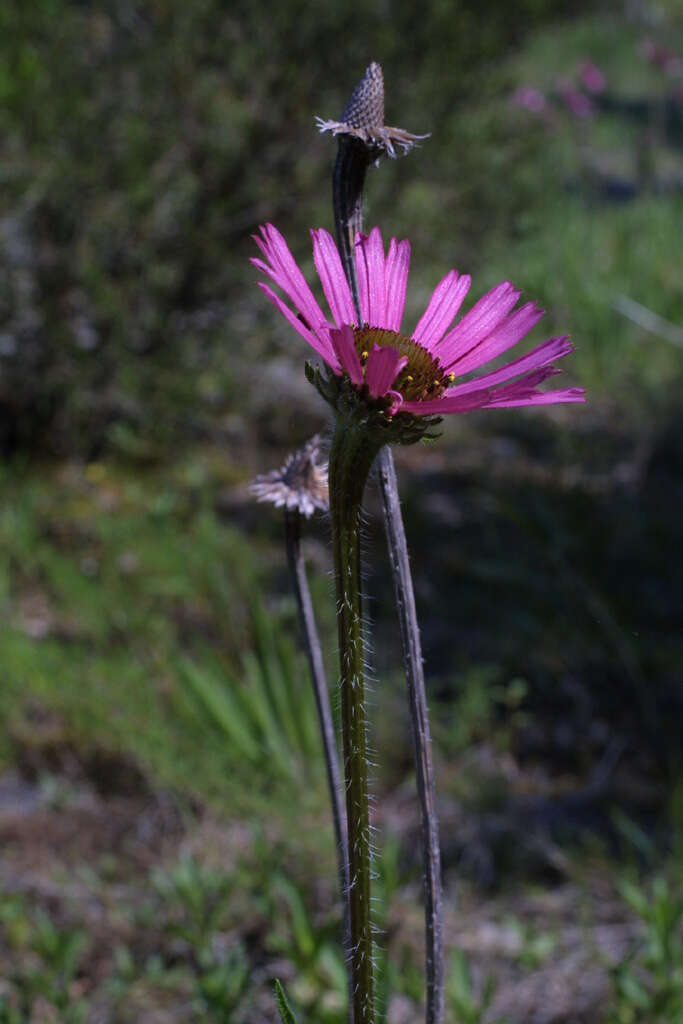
x,y
412,654
353,158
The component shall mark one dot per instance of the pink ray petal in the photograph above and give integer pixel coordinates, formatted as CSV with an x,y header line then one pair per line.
x,y
488,330
286,274
543,354
524,391
445,302
345,347
508,333
310,312
475,326
316,341
395,282
446,404
397,401
526,386
370,269
540,398
266,269
331,273
383,366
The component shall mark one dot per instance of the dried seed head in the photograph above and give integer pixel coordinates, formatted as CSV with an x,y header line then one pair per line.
x,y
365,109
363,118
300,484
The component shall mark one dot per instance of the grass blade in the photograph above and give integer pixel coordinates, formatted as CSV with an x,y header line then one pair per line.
x,y
283,1006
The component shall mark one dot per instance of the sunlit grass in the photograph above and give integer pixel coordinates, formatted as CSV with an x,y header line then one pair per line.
x,y
119,591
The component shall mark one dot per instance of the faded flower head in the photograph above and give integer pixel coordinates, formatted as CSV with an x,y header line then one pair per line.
x,y
363,118
401,375
299,485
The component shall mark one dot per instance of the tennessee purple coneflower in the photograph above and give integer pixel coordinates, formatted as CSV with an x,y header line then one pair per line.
x,y
390,387
418,373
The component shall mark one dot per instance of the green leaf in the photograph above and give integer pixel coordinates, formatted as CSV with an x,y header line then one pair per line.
x,y
219,703
283,1006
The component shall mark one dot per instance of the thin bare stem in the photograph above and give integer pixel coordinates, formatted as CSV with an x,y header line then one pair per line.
x,y
353,159
297,569
412,654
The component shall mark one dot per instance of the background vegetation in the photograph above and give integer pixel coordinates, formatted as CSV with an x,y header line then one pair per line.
x,y
166,848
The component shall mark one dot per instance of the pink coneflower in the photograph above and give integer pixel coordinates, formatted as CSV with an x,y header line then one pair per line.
x,y
577,102
528,98
416,373
662,57
591,77
299,485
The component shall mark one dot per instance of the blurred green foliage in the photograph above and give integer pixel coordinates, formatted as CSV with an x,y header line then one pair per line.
x,y
259,713
46,961
141,143
466,1005
132,596
647,983
186,922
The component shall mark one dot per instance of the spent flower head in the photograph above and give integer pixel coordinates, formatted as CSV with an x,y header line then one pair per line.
x,y
363,118
300,484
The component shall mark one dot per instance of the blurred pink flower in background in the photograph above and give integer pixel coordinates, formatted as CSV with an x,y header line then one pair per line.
x,y
576,101
414,373
665,59
591,77
528,98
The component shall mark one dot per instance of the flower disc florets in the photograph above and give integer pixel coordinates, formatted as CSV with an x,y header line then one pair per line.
x,y
421,378
426,373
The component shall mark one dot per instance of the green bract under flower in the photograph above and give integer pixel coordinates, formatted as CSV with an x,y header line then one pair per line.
x,y
372,416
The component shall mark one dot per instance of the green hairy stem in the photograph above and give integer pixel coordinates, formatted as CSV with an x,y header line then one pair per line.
x,y
352,454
